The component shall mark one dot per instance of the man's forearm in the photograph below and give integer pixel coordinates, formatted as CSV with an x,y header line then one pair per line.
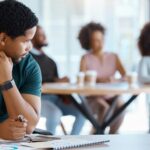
x,y
16,105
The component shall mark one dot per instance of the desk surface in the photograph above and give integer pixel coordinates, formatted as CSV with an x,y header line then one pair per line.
x,y
117,142
123,142
98,89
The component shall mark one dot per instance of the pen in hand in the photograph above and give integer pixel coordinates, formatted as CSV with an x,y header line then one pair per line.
x,y
20,118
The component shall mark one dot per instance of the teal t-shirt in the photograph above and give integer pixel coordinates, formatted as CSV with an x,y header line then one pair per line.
x,y
27,76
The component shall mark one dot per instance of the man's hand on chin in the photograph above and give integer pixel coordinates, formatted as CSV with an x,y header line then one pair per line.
x,y
6,68
12,129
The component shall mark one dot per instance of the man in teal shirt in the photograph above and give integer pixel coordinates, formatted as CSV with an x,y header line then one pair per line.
x,y
20,77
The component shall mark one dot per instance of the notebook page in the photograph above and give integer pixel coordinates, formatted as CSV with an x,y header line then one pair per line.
x,y
68,143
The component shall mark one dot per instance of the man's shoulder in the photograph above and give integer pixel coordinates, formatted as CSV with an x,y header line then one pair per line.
x,y
50,59
44,58
29,63
29,77
28,60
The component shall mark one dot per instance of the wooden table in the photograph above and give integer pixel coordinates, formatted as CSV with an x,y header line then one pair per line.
x,y
98,89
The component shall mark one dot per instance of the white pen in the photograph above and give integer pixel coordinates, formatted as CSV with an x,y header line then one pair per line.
x,y
20,118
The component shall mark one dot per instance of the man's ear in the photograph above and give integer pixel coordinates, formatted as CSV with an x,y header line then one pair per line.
x,y
3,38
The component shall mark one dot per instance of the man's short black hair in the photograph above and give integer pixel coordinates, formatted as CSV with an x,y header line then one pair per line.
x,y
16,18
144,40
86,32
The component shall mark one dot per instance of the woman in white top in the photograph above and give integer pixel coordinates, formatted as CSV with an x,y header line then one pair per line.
x,y
144,47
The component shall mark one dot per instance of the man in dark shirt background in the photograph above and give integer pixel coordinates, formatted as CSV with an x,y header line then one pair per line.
x,y
52,105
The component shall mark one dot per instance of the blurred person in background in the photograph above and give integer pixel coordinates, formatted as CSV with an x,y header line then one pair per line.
x,y
53,106
144,64
106,64
144,47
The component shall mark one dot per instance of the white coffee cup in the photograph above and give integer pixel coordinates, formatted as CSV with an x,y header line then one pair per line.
x,y
132,78
90,77
80,78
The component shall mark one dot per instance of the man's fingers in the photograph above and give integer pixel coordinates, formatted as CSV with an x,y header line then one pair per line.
x,y
18,136
17,133
2,54
19,124
18,130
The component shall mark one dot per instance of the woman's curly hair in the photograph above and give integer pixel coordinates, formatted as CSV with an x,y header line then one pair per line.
x,y
86,32
144,40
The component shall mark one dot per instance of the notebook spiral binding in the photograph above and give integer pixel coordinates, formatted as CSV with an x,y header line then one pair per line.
x,y
80,145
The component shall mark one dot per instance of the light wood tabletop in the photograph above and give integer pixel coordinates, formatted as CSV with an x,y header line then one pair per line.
x,y
98,89
111,89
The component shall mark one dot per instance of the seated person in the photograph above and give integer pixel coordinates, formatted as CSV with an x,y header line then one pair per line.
x,y
52,105
106,64
20,76
144,47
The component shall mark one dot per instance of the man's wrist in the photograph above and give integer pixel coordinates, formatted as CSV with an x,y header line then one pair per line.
x,y
7,85
1,128
2,81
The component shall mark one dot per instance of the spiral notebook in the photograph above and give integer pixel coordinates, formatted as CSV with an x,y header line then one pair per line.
x,y
69,143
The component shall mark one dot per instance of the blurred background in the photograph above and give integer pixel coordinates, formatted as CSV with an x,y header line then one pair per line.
x,y
62,20
123,19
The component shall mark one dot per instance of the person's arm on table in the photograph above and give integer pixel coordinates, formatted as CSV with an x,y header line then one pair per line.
x,y
12,130
25,104
16,103
121,69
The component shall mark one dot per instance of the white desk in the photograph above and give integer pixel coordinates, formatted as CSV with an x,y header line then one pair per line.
x,y
123,142
117,142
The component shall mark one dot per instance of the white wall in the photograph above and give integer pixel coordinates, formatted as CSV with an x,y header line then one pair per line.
x,y
62,20
36,6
